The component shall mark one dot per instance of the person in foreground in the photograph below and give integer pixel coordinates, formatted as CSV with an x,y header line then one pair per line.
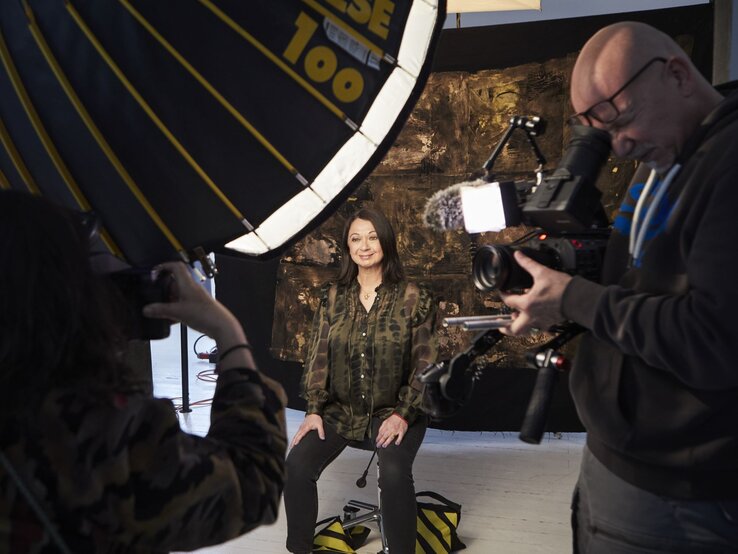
x,y
109,469
372,332
655,379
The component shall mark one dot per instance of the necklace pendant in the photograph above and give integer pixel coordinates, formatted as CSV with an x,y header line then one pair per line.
x,y
366,296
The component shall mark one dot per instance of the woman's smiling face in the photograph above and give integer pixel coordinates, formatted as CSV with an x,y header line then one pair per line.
x,y
364,245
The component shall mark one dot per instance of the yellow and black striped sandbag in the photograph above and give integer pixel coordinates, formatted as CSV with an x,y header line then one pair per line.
x,y
334,538
437,524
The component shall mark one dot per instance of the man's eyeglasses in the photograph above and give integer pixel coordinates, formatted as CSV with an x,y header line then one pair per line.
x,y
605,111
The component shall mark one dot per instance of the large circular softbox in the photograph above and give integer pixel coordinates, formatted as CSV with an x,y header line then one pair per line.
x,y
205,125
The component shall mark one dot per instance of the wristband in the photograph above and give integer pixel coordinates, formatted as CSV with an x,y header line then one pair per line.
x,y
234,348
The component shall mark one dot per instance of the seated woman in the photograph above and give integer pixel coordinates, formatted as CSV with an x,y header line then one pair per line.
x,y
88,465
373,331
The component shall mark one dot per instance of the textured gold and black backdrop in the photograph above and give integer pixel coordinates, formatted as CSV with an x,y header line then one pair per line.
x,y
482,76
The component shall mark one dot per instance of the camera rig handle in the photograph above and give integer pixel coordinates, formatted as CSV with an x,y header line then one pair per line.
x,y
549,362
532,126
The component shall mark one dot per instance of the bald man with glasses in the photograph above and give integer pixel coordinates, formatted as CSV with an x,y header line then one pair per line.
x,y
655,379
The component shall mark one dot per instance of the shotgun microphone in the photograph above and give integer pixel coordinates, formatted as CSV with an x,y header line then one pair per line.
x,y
477,206
443,210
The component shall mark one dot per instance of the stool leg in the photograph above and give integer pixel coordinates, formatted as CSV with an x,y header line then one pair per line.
x,y
385,548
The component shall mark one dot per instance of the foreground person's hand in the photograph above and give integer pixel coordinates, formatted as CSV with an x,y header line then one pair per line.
x,y
192,305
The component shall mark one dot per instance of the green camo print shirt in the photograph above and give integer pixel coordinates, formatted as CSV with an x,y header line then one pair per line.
x,y
362,364
117,474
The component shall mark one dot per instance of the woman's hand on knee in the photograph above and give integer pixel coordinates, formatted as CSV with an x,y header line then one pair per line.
x,y
393,429
312,422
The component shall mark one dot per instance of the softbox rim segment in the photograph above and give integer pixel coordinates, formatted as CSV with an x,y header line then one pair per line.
x,y
239,246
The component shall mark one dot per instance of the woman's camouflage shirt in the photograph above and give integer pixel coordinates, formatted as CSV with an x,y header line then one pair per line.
x,y
115,472
362,364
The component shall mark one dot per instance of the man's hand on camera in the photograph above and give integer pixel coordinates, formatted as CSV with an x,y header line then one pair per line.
x,y
540,306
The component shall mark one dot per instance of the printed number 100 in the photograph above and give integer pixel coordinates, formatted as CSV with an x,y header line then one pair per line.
x,y
321,62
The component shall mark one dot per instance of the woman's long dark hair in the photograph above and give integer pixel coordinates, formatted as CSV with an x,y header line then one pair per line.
x,y
392,270
55,327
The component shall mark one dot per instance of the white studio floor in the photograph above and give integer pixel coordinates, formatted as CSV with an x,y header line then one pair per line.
x,y
515,497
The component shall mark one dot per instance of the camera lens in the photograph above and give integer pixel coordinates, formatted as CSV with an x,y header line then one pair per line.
x,y
494,267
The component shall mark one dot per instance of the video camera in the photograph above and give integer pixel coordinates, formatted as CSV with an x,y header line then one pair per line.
x,y
565,205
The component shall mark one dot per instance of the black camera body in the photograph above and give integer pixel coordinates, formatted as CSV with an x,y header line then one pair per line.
x,y
134,288
495,268
566,207
129,288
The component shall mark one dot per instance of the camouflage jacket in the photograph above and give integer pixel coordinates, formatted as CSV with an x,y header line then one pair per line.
x,y
115,472
362,364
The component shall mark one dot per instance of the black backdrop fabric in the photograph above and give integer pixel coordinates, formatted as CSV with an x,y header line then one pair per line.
x,y
501,396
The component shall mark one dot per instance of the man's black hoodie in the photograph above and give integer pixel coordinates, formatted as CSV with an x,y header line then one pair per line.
x,y
655,379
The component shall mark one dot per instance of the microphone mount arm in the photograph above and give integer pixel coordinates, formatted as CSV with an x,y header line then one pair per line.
x,y
532,127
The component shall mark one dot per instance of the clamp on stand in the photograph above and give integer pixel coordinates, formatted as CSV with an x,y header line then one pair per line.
x,y
449,384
